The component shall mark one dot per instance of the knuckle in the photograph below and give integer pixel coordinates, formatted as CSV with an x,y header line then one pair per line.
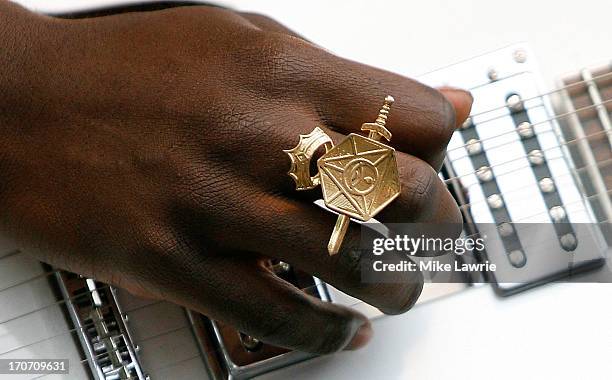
x,y
350,260
157,245
281,61
421,182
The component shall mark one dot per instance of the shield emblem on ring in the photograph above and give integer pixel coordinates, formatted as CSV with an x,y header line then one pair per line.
x,y
359,177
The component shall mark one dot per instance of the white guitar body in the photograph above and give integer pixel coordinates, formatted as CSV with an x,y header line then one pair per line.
x,y
554,331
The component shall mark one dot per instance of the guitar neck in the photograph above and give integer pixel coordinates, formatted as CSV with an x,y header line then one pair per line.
x,y
588,96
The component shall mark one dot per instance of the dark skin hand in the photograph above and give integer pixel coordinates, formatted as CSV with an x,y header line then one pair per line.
x,y
144,149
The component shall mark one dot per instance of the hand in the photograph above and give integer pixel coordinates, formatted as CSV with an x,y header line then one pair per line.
x,y
145,149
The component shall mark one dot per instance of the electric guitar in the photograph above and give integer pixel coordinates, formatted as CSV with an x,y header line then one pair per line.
x,y
525,156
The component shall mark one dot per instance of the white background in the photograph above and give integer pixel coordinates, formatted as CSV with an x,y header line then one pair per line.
x,y
412,37
559,331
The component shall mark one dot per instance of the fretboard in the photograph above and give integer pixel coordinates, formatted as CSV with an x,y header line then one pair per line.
x,y
589,92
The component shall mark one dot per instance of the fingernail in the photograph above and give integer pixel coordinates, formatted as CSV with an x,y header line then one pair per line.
x,y
361,338
455,90
460,99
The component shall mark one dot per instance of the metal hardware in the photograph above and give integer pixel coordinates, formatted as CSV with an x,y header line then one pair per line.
x,y
101,329
519,55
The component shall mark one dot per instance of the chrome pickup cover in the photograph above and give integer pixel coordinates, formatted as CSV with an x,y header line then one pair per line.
x,y
513,163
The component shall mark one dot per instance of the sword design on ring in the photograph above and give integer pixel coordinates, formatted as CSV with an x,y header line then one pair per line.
x,y
358,177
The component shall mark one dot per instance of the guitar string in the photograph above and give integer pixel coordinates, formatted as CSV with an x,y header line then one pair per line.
x,y
484,112
197,356
62,301
89,325
571,172
537,106
516,129
313,287
84,361
541,95
174,330
104,286
531,245
503,116
523,156
136,343
139,342
446,181
509,132
518,221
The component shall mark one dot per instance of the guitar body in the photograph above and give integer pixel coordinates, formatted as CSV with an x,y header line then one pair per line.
x,y
515,325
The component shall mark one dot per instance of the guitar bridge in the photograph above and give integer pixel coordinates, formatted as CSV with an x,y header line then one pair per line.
x,y
100,327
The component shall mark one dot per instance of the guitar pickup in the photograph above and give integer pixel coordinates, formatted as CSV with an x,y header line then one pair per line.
x,y
522,192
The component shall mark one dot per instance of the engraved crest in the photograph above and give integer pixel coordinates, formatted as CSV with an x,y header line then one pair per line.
x,y
359,177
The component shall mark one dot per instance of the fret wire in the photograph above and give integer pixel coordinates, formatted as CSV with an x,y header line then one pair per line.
x,y
549,120
570,142
586,151
596,98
